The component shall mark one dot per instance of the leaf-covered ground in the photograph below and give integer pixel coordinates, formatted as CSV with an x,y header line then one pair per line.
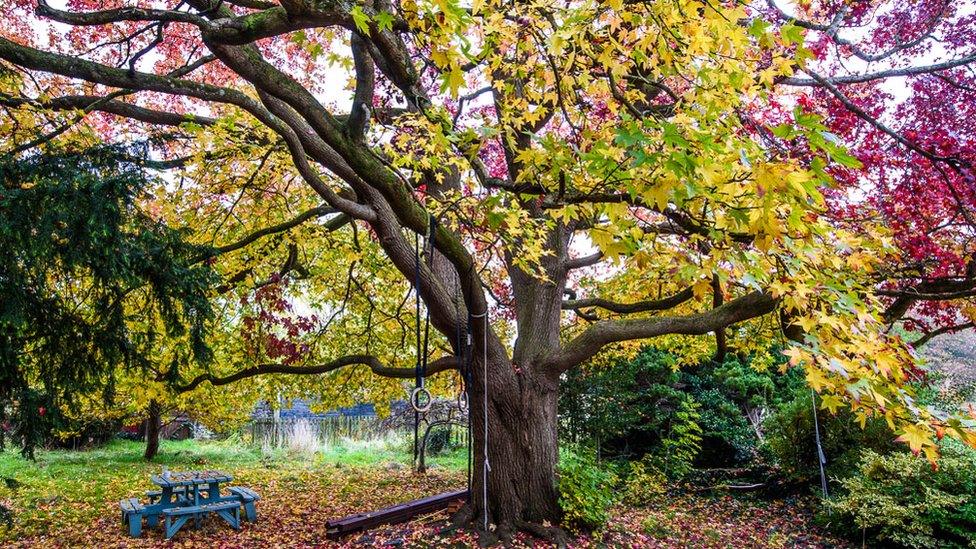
x,y
70,499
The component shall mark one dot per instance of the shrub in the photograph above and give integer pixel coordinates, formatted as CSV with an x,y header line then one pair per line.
x,y
657,528
442,440
628,408
586,488
791,440
898,498
645,483
621,407
683,441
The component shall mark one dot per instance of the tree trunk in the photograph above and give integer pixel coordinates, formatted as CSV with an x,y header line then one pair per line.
x,y
522,451
153,424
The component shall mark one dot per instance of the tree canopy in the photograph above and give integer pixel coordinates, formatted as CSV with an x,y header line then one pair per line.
x,y
587,174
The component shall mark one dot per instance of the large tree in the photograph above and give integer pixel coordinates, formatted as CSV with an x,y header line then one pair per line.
x,y
586,173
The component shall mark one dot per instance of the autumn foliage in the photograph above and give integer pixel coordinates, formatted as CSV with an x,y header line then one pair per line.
x,y
588,175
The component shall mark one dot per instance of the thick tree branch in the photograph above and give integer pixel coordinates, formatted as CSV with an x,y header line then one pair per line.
x,y
373,363
114,106
602,333
117,15
229,28
73,67
929,290
584,261
365,83
64,65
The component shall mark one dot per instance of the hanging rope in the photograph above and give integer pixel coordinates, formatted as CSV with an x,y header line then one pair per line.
x,y
420,399
487,465
821,458
463,346
416,378
469,350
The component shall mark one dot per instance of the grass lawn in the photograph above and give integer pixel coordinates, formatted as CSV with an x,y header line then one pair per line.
x,y
70,499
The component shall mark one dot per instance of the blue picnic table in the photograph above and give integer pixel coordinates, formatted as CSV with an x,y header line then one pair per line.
x,y
188,495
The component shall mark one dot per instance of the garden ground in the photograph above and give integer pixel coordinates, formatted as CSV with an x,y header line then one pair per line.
x,y
70,499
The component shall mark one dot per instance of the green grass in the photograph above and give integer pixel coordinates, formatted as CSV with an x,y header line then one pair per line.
x,y
64,487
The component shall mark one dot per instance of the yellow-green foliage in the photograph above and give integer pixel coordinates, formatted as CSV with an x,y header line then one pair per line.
x,y
586,489
645,484
900,498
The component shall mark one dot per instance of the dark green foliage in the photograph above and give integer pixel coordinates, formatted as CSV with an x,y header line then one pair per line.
x,y
631,408
82,266
900,499
444,439
791,440
733,398
53,428
621,407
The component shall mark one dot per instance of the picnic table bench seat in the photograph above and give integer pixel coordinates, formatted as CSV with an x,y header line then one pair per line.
x,y
247,498
176,517
132,511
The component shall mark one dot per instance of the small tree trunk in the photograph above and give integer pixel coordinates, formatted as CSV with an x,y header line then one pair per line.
x,y
153,425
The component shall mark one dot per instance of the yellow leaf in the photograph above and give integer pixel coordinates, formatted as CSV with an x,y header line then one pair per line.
x,y
916,436
702,288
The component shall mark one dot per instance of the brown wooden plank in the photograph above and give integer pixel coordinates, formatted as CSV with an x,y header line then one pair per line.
x,y
402,512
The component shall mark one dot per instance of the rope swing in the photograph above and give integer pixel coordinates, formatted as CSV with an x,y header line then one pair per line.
x,y
420,398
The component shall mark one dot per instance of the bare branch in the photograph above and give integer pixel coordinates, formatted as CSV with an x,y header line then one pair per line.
x,y
927,336
880,75
863,115
585,261
317,212
373,363
104,17
915,294
116,107
629,308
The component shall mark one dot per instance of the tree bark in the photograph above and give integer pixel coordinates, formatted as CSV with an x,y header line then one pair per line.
x,y
153,425
522,449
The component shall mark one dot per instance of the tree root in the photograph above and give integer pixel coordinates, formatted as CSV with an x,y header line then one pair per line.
x,y
464,518
553,534
460,518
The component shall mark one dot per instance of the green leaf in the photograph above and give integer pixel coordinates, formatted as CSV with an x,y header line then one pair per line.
x,y
384,20
673,137
299,37
792,34
453,80
360,19
758,27
783,131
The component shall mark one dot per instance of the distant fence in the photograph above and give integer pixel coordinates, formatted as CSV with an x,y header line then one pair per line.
x,y
313,432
